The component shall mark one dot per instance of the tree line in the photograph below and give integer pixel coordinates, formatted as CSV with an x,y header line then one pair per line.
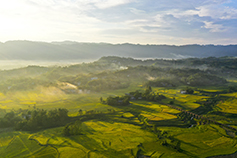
x,y
148,95
34,119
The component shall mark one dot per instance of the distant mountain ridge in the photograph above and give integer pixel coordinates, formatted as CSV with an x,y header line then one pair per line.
x,y
68,50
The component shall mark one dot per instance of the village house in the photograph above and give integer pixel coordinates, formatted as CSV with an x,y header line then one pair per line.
x,y
183,92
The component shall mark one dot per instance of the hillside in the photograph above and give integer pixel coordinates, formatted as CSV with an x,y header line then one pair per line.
x,y
28,50
119,107
117,73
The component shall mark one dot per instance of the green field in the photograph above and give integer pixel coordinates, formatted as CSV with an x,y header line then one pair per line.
x,y
120,133
104,139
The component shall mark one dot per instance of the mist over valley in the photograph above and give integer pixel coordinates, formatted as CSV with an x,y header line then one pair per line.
x,y
118,79
59,51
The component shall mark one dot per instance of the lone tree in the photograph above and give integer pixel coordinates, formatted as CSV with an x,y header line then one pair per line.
x,y
101,100
80,112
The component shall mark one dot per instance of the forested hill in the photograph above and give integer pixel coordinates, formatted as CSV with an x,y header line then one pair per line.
x,y
110,73
27,50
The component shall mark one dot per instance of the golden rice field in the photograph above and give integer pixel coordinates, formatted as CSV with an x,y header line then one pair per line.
x,y
228,106
119,137
104,139
187,101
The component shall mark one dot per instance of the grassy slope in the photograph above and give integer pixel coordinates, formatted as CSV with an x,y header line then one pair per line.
x,y
122,135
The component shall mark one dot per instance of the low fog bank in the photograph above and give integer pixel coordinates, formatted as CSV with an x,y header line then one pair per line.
x,y
13,64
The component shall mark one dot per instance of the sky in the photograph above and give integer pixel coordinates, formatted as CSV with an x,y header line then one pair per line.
x,y
173,22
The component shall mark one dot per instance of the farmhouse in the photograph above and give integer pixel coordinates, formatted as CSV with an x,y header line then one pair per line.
x,y
183,92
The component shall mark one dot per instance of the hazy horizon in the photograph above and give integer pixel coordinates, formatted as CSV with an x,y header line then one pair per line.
x,y
118,43
14,64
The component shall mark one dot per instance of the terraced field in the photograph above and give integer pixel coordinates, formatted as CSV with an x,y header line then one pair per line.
x,y
20,145
120,133
103,139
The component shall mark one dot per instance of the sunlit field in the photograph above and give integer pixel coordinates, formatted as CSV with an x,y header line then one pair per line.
x,y
118,79
140,121
120,136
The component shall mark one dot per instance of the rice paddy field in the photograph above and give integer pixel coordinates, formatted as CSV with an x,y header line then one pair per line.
x,y
119,134
229,105
186,101
103,139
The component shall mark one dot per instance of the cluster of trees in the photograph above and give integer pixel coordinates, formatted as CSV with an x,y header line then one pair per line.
x,y
22,84
188,90
187,78
152,96
186,118
35,119
231,89
202,79
91,112
41,119
115,101
148,94
104,84
164,82
9,120
74,128
124,100
97,81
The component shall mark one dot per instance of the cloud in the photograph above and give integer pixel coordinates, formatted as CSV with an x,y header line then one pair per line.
x,y
136,21
214,27
103,4
137,11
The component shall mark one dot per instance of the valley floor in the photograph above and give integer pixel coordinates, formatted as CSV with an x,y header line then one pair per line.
x,y
143,128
